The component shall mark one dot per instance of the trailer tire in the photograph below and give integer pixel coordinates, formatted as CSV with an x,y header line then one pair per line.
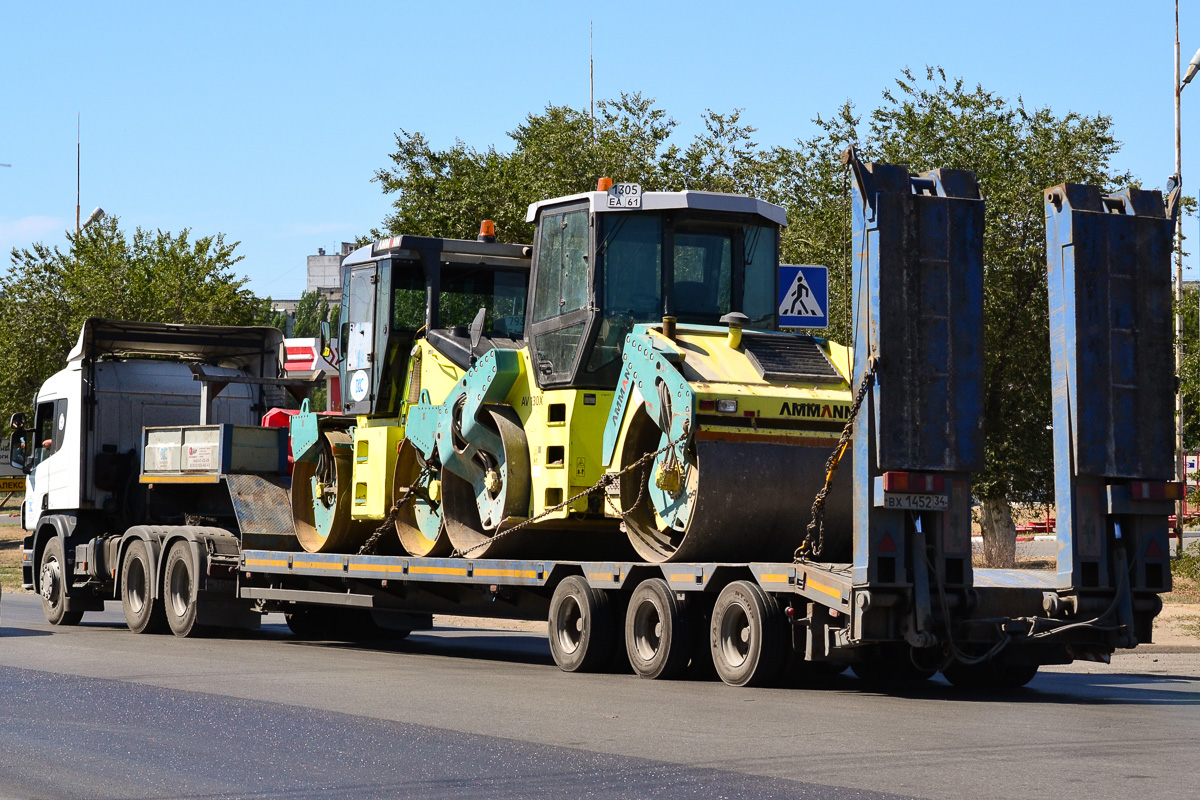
x,y
892,667
657,630
747,635
309,624
179,586
52,575
143,610
989,675
581,626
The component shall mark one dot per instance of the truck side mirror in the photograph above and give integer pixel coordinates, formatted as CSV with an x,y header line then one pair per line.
x,y
326,352
16,450
18,420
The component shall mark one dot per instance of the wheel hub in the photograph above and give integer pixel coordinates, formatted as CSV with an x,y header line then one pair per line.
x,y
50,578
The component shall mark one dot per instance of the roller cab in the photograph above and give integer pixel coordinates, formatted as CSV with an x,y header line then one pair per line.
x,y
416,312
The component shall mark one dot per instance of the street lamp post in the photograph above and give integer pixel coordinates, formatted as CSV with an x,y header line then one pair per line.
x,y
1181,466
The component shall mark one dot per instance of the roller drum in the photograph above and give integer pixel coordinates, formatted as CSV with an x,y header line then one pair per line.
x,y
752,501
323,526
419,511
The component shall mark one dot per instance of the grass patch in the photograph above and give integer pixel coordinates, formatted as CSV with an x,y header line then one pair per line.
x,y
10,557
1185,576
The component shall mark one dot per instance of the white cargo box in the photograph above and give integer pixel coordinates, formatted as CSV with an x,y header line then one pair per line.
x,y
205,452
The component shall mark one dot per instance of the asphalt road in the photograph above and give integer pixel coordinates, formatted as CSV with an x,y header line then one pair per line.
x,y
95,711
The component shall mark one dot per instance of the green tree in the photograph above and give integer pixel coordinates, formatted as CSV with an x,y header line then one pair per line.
x,y
311,311
152,276
555,153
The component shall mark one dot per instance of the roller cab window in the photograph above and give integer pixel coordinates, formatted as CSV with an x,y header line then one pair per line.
x,y
560,318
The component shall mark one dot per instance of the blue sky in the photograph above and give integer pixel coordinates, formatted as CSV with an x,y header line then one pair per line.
x,y
266,121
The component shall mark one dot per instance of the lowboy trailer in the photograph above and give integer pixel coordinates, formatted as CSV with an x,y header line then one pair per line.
x,y
194,526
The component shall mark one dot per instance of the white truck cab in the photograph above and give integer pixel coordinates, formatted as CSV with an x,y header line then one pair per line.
x,y
82,448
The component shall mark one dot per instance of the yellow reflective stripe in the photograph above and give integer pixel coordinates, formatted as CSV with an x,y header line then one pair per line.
x,y
774,578
265,562
437,571
376,568
603,576
823,589
682,576
316,564
505,573
180,479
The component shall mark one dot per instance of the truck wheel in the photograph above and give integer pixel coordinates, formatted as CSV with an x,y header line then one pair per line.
x,y
143,612
892,666
989,675
179,578
581,626
746,635
657,631
52,575
310,623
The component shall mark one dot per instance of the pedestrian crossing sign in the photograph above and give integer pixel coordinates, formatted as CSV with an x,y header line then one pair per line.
x,y
803,296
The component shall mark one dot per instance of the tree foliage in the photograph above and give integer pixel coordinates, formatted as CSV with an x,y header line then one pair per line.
x,y
311,311
150,276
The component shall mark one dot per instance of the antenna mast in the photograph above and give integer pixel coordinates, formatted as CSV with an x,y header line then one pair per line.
x,y
592,79
77,174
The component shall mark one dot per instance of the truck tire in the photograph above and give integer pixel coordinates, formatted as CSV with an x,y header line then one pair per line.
x,y
892,666
52,576
581,626
657,631
179,580
340,625
310,624
989,675
143,611
747,635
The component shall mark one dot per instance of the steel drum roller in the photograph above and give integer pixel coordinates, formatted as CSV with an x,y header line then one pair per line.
x,y
323,523
751,501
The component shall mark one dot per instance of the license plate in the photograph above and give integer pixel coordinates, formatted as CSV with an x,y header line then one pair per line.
x,y
625,195
917,502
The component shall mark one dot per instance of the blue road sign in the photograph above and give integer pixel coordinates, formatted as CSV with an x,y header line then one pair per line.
x,y
803,296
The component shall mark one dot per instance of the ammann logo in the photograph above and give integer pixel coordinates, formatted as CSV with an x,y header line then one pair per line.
x,y
815,410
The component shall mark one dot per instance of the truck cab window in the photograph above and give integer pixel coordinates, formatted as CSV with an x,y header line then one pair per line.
x,y
45,442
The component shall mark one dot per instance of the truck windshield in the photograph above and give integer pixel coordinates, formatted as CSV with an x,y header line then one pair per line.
x,y
712,262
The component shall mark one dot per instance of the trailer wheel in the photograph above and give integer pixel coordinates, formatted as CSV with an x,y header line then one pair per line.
x,y
989,675
581,626
53,584
746,635
340,625
179,580
892,666
143,612
309,623
657,631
